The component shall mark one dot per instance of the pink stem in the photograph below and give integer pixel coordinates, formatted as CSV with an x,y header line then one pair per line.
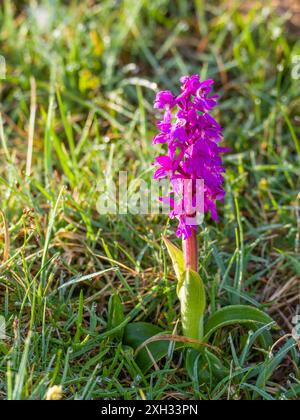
x,y
190,250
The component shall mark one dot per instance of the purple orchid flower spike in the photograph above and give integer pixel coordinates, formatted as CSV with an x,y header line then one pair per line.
x,y
192,136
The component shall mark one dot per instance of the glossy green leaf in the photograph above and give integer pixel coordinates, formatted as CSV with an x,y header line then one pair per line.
x,y
193,301
136,334
237,314
177,258
115,315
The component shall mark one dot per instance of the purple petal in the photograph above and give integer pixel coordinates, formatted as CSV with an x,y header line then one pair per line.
x,y
160,138
160,173
163,99
164,161
192,137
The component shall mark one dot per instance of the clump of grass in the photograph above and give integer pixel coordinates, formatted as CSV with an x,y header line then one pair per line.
x,y
78,95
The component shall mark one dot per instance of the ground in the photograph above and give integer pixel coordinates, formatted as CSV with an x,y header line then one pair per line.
x,y
76,107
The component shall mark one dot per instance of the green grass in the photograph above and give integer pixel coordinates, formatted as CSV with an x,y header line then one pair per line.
x,y
91,77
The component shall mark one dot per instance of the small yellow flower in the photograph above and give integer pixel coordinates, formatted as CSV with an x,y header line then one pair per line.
x,y
97,43
87,81
263,184
54,393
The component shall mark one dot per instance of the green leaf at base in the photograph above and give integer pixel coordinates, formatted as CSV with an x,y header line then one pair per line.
x,y
193,301
136,334
237,314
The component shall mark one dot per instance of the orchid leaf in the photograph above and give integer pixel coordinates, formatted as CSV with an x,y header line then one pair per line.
x,y
136,334
193,301
237,314
177,258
